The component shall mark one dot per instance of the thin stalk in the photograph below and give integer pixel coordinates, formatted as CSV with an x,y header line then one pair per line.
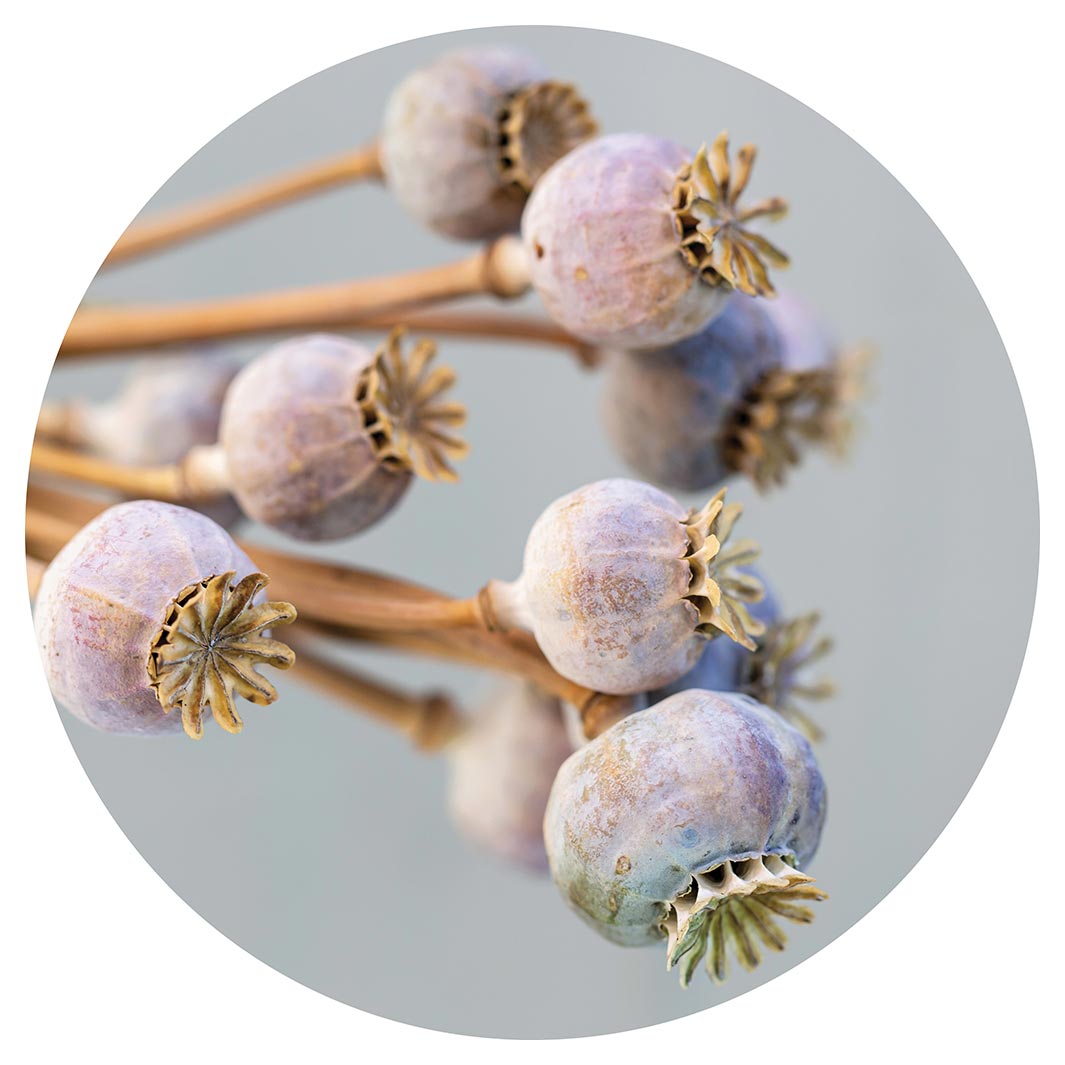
x,y
170,228
500,269
474,325
34,572
431,721
154,482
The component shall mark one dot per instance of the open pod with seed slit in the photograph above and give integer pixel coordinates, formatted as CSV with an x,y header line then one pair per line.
x,y
622,585
466,137
633,242
320,437
151,620
502,767
690,822
749,394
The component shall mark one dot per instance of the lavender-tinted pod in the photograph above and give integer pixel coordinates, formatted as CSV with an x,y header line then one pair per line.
x,y
322,437
152,608
774,673
689,822
621,585
167,406
465,138
634,243
666,410
502,768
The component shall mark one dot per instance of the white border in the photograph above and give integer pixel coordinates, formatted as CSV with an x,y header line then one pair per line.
x,y
959,102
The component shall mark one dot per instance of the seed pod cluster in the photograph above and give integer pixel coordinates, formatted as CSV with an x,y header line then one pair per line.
x,y
654,753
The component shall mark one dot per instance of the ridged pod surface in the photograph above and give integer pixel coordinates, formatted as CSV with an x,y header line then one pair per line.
x,y
502,769
604,253
104,598
301,457
698,780
665,409
621,585
438,142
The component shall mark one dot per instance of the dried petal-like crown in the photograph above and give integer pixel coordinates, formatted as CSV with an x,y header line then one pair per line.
x,y
735,904
717,589
209,645
715,239
402,411
538,125
762,437
771,672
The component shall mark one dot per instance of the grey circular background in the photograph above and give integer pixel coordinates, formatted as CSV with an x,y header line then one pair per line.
x,y
320,842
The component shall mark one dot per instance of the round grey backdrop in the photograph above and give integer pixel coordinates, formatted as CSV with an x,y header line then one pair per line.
x,y
320,842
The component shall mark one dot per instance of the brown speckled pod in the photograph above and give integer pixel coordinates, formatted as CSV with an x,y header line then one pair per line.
x,y
502,769
465,138
152,607
689,822
322,437
621,585
633,243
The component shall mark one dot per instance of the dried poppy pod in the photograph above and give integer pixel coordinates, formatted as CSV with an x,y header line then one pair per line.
x,y
502,767
321,437
748,394
633,243
167,406
622,585
690,822
465,139
151,619
774,673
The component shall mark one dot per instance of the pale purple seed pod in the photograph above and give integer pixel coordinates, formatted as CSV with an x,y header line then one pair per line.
x,y
502,768
621,585
722,664
168,405
465,138
690,822
666,410
152,607
633,242
322,437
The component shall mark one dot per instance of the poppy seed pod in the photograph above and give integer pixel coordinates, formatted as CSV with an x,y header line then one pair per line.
x,y
745,395
689,822
665,409
633,243
465,139
168,406
502,768
152,608
321,437
621,585
773,673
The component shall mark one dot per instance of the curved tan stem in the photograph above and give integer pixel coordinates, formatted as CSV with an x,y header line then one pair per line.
x,y
430,721
191,481
170,228
500,269
34,572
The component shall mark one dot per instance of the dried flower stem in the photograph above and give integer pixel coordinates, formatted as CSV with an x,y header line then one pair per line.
x,y
151,482
500,269
430,721
475,325
34,572
174,227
